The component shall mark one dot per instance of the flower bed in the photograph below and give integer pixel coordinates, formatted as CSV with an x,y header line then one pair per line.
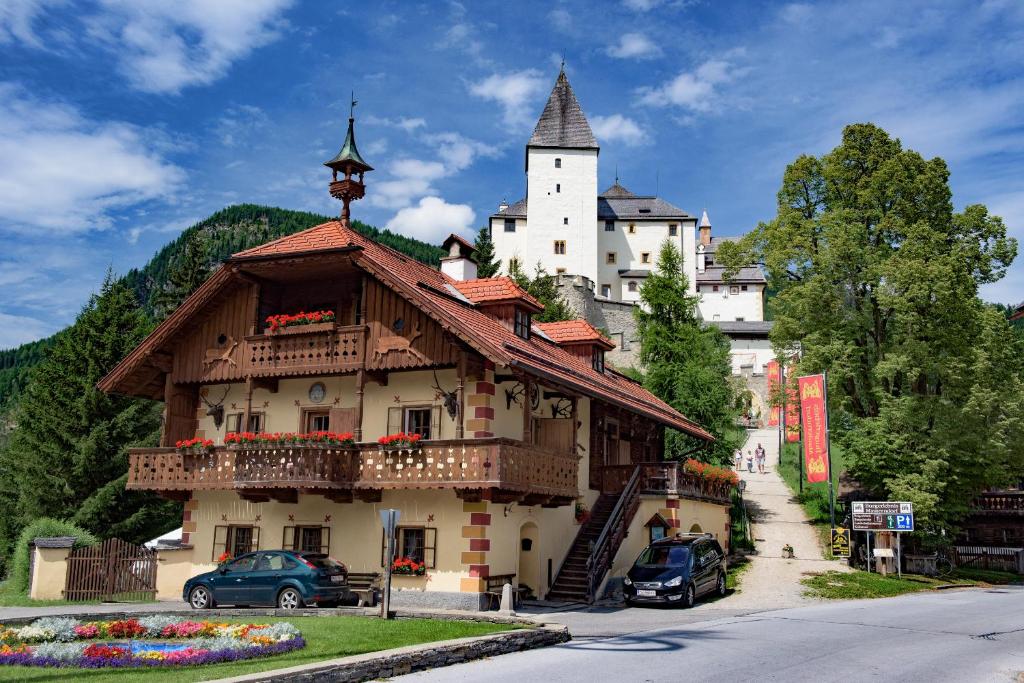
x,y
278,323
279,439
150,641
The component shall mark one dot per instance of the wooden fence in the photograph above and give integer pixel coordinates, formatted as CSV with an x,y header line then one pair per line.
x,y
115,570
986,557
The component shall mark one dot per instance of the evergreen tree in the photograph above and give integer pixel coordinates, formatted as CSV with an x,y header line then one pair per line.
x,y
67,456
686,363
486,266
188,271
543,288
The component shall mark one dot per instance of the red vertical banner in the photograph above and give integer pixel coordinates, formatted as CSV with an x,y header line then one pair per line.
x,y
812,410
773,388
792,407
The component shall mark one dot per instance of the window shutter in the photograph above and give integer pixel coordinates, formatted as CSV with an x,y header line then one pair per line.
x,y
435,422
325,540
255,539
343,420
220,542
288,538
430,547
395,419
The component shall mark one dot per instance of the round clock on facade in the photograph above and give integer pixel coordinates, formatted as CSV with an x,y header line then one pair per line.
x,y
317,392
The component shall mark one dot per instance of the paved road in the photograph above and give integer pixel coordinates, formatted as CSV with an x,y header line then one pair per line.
x,y
777,519
963,636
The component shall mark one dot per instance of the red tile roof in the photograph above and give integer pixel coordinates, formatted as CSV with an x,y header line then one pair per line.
x,y
574,331
428,289
488,290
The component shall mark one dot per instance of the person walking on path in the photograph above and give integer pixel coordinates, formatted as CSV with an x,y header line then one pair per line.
x,y
739,459
750,461
760,455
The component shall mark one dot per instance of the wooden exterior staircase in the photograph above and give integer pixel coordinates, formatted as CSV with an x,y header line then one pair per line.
x,y
594,548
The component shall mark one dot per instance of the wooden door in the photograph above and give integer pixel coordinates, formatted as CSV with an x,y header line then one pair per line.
x,y
344,420
555,434
180,410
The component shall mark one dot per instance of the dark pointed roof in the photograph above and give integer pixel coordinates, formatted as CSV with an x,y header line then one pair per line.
x,y
562,124
349,154
617,191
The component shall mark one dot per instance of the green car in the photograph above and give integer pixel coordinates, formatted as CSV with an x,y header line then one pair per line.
x,y
284,578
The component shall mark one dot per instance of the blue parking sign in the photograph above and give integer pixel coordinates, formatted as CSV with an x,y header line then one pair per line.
x,y
903,522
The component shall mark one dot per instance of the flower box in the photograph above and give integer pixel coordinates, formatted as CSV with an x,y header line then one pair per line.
x,y
195,446
302,329
268,440
399,442
300,322
405,566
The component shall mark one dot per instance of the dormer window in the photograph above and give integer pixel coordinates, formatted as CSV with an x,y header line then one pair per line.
x,y
522,324
597,360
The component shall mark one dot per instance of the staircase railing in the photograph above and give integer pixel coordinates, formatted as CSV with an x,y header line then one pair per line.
x,y
602,554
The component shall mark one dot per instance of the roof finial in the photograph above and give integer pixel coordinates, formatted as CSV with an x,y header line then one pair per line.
x,y
616,174
352,106
562,69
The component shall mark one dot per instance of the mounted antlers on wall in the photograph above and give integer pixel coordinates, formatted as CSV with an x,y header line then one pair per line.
x,y
562,408
216,410
450,399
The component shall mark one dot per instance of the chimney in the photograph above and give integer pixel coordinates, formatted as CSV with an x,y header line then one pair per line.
x,y
502,206
459,263
705,229
700,258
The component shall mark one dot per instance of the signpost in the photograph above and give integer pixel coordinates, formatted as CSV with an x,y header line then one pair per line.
x,y
389,518
884,516
840,542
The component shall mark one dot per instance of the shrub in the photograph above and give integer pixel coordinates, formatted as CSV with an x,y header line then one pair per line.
x,y
41,528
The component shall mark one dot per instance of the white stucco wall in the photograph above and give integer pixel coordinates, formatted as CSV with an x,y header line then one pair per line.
x,y
750,353
722,305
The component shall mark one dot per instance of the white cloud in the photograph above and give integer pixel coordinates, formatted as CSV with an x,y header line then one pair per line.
x,y
634,46
796,13
17,21
164,47
65,173
239,122
560,19
692,90
459,152
514,92
433,219
16,330
409,125
618,127
642,5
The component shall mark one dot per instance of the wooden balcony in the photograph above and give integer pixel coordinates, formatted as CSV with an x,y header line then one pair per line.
x,y
500,470
305,350
999,503
666,478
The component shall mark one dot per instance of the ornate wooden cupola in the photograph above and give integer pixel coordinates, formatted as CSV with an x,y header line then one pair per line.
x,y
350,163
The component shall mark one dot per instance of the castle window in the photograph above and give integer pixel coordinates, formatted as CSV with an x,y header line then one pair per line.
x,y
558,163
632,286
645,257
560,247
632,228
597,360
734,289
610,258
522,324
609,226
418,421
558,187
606,291
743,288
673,230
510,225
740,318
714,288
565,221
233,423
559,271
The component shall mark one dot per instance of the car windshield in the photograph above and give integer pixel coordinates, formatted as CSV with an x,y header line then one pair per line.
x,y
323,561
664,556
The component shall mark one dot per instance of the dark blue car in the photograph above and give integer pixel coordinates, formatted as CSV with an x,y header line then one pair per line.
x,y
284,578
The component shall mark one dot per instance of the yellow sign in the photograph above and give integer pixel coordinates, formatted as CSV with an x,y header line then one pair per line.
x,y
840,542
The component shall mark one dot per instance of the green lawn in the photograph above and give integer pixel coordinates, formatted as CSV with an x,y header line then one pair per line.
x,y
734,577
814,498
11,598
326,638
858,584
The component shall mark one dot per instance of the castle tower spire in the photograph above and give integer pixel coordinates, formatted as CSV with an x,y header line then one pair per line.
x,y
562,123
349,162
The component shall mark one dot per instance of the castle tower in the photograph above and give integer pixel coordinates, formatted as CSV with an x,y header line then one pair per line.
x,y
348,162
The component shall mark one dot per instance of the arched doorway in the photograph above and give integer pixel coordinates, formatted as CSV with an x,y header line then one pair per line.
x,y
695,529
528,574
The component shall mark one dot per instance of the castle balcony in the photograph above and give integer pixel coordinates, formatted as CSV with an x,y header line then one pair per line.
x,y
305,350
664,478
495,469
999,503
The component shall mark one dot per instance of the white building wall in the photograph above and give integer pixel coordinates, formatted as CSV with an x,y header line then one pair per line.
x,y
508,245
750,353
690,253
722,305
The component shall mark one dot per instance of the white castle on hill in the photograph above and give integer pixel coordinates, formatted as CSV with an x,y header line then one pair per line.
x,y
610,240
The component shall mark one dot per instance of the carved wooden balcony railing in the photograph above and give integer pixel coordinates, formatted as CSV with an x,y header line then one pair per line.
x,y
663,477
999,502
495,469
305,350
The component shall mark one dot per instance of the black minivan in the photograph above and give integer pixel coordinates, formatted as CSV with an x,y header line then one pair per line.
x,y
676,570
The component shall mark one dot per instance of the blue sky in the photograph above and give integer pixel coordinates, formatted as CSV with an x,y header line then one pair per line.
x,y
124,121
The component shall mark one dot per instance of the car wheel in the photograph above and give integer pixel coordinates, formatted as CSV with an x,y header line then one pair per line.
x,y
720,586
691,596
200,598
289,598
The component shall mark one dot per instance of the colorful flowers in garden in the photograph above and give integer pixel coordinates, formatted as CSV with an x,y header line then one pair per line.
x,y
399,441
276,322
710,473
277,439
197,445
408,567
155,640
